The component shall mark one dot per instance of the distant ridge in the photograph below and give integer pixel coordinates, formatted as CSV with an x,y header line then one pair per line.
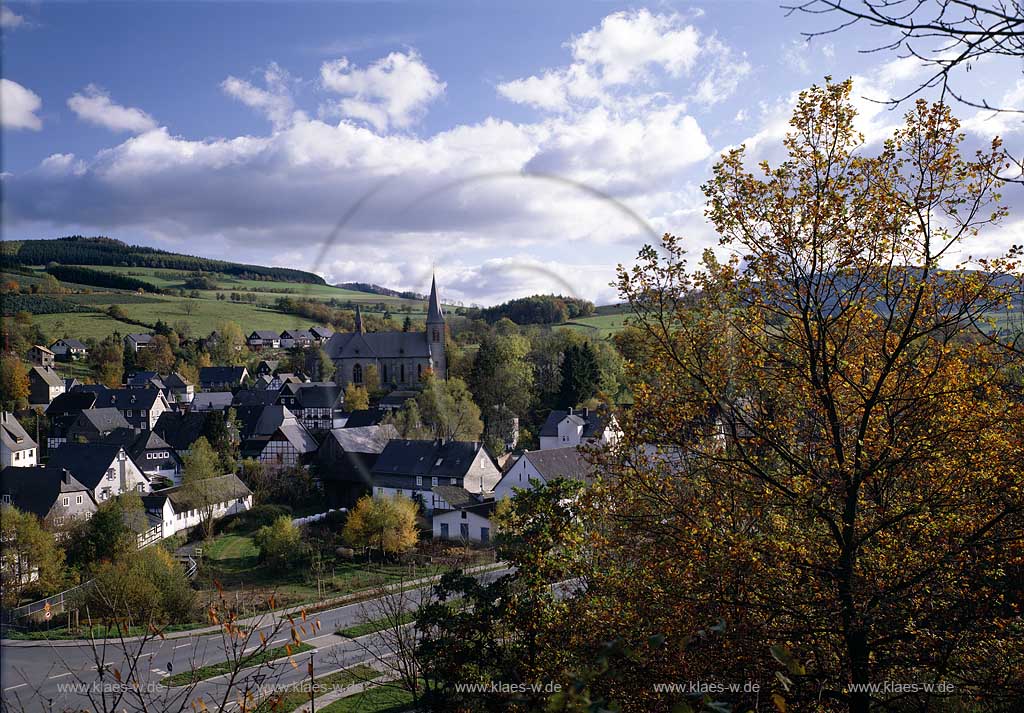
x,y
79,250
378,290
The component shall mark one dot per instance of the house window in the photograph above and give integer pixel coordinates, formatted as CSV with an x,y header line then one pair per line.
x,y
399,491
380,491
419,372
401,369
384,373
65,501
444,530
110,474
433,481
58,521
139,487
6,498
419,481
78,500
128,413
463,514
357,374
453,481
142,412
485,534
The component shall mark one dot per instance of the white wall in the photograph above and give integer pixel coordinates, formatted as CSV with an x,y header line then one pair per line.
x,y
454,519
518,476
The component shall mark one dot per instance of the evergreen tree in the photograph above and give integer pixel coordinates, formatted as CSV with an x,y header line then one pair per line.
x,y
581,375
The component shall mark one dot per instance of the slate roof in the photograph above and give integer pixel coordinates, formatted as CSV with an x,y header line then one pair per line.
x,y
175,380
264,334
212,400
366,439
397,399
297,334
180,430
221,374
593,423
566,463
140,338
48,375
71,402
71,343
141,377
147,441
141,398
455,496
319,395
426,458
221,488
365,417
434,312
36,489
13,434
270,364
255,397
88,462
103,420
391,345
321,332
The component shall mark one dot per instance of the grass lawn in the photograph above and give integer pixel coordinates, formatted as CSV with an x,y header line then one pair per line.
x,y
288,700
219,669
370,627
379,699
233,560
601,325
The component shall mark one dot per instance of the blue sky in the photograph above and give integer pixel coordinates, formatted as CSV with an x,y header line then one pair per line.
x,y
246,131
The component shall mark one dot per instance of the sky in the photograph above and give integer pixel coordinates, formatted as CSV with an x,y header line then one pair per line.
x,y
511,147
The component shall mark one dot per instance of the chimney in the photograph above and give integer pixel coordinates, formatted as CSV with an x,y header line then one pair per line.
x,y
570,410
586,412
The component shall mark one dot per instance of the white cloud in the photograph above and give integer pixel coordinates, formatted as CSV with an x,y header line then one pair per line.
x,y
393,92
275,102
725,72
18,107
988,124
95,106
9,19
794,56
547,91
627,43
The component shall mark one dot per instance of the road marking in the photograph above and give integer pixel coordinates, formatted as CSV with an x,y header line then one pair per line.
x,y
181,646
11,688
62,675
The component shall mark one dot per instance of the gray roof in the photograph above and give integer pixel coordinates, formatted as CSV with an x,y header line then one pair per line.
x,y
13,435
426,458
48,375
321,332
180,430
141,398
264,334
561,463
319,395
220,488
71,402
103,420
212,400
593,422
70,342
175,380
455,496
222,374
36,489
365,439
140,338
88,462
297,334
297,434
380,345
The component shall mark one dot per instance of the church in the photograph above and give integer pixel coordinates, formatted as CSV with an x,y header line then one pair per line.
x,y
400,358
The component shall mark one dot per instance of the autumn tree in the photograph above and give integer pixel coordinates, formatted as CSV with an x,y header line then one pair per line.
x,y
387,525
280,543
106,360
447,410
32,560
157,357
838,475
201,467
227,348
13,382
502,378
356,398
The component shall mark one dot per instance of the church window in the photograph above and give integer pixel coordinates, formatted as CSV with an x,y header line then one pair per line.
x,y
419,372
436,334
402,371
384,373
357,373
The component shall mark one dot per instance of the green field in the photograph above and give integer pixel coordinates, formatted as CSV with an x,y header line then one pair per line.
x,y
601,325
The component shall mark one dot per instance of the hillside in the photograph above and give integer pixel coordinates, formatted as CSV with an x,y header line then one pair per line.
x,y
78,250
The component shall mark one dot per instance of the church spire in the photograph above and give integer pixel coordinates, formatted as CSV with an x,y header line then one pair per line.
x,y
359,320
434,313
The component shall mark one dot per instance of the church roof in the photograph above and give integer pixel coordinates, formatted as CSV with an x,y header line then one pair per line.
x,y
434,313
380,345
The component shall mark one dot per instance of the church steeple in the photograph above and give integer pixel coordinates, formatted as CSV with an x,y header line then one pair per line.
x,y
359,320
434,313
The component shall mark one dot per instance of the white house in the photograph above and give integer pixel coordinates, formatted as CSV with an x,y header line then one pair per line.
x,y
579,427
16,447
467,517
264,339
135,342
104,468
69,349
180,508
538,468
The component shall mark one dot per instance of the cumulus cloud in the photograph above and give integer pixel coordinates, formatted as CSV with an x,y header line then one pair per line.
x,y
9,19
393,92
275,102
18,106
95,106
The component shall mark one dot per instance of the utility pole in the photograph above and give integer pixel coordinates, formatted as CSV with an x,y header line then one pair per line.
x,y
312,687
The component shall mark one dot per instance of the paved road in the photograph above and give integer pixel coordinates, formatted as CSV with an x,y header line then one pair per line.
x,y
63,676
